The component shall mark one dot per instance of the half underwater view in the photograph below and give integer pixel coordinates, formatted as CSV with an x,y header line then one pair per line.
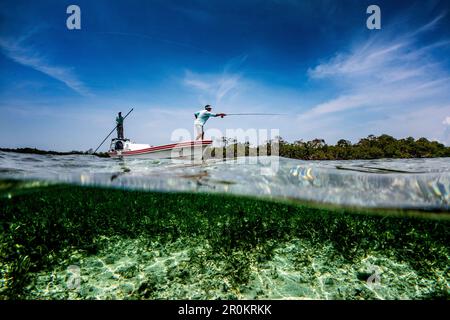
x,y
84,227
210,151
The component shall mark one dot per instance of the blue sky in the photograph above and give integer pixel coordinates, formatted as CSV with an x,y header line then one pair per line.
x,y
315,61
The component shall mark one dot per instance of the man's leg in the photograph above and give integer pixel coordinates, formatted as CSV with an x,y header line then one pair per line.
x,y
199,130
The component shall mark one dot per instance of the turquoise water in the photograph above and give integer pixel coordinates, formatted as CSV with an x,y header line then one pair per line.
x,y
406,183
82,227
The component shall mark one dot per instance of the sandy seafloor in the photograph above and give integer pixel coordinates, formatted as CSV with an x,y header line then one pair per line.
x,y
70,242
130,269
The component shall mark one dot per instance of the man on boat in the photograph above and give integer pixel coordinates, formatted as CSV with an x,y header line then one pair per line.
x,y
119,121
200,119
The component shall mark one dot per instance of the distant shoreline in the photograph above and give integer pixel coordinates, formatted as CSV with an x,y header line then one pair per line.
x,y
372,147
55,153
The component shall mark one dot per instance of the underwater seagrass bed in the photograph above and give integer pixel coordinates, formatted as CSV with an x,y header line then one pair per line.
x,y
155,245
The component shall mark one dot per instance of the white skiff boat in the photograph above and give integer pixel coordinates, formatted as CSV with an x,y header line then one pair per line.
x,y
124,148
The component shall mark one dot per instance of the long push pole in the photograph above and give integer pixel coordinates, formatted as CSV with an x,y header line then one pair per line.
x,y
112,131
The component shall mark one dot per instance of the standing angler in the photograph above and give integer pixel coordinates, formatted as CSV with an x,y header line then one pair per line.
x,y
200,119
119,121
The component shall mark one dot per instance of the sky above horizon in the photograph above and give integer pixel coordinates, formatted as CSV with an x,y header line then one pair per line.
x,y
315,62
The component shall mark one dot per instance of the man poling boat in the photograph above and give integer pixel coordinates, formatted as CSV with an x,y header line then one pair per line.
x,y
122,147
119,132
119,122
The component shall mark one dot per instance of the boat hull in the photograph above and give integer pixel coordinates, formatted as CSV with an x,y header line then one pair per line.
x,y
184,150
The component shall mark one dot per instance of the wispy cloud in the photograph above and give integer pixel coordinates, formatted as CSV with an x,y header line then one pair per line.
x,y
16,51
430,25
446,121
214,88
424,122
394,75
362,61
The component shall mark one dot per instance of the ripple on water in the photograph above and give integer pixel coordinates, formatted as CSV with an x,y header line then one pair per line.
x,y
32,159
386,183
8,171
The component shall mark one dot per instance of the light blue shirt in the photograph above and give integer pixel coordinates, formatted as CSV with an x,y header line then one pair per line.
x,y
203,116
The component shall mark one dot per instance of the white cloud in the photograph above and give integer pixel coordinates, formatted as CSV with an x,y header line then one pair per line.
x,y
424,122
430,25
365,59
27,57
193,81
213,88
389,77
446,121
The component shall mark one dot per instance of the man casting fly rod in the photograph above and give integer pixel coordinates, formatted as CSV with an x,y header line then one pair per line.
x,y
203,115
200,119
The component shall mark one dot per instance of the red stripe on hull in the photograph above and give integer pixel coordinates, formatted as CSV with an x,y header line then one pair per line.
x,y
165,147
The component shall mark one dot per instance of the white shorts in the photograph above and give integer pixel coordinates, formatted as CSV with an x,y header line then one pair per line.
x,y
198,129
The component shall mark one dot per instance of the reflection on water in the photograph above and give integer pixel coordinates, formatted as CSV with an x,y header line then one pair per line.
x,y
124,170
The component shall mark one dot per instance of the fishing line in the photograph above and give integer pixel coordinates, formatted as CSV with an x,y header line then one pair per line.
x,y
255,114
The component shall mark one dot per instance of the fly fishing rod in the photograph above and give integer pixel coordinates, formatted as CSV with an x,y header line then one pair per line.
x,y
112,131
255,114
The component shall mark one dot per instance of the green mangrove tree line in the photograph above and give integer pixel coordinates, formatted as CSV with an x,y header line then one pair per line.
x,y
372,147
